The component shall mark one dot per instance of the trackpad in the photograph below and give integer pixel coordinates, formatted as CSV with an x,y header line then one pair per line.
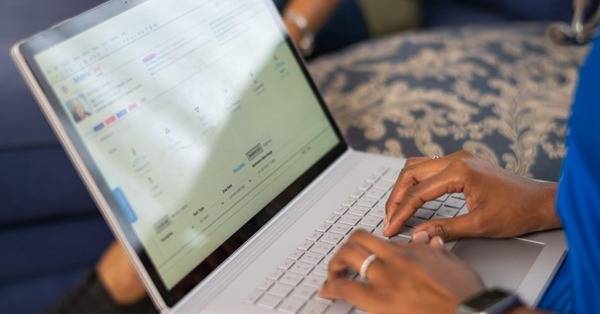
x,y
500,263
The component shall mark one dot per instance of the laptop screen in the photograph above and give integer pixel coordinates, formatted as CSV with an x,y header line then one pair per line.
x,y
196,114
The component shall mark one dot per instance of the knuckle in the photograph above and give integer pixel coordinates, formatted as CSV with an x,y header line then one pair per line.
x,y
441,231
463,153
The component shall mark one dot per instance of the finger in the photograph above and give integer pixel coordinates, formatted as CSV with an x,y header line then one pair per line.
x,y
420,237
437,243
412,173
451,228
382,249
350,255
354,292
447,181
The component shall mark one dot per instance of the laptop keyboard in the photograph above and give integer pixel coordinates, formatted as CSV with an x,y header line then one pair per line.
x,y
293,286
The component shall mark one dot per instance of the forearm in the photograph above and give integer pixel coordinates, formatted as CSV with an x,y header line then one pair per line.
x,y
546,215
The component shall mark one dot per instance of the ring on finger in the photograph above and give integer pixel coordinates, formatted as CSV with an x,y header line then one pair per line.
x,y
435,157
364,267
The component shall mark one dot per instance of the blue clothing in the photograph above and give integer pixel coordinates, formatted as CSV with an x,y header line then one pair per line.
x,y
576,287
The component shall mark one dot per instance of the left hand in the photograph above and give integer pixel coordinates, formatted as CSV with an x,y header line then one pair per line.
x,y
405,278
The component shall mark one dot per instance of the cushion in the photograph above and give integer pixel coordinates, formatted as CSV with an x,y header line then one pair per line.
x,y
502,92
45,260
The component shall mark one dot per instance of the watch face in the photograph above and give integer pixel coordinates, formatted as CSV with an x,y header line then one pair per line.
x,y
486,299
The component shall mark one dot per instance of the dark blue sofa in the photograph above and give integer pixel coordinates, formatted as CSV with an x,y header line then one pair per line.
x,y
50,231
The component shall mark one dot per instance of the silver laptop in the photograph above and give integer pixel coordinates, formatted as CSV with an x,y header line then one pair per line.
x,y
207,147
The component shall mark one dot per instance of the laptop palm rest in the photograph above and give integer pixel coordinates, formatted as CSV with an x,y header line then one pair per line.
x,y
500,263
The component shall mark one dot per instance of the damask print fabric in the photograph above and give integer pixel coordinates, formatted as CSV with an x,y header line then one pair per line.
x,y
501,92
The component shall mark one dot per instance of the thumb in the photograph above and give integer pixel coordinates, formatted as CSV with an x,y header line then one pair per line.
x,y
449,229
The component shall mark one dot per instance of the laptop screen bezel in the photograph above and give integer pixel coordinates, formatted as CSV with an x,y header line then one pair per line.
x,y
29,48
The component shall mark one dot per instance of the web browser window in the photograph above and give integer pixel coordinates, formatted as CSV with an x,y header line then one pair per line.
x,y
196,114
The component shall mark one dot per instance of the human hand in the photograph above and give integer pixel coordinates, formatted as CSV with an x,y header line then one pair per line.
x,y
405,278
119,277
501,204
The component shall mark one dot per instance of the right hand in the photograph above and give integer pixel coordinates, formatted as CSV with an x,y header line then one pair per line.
x,y
501,204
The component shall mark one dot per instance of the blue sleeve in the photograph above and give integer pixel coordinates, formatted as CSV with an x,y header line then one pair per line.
x,y
578,200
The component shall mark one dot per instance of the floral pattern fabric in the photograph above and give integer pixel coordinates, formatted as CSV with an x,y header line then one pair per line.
x,y
501,92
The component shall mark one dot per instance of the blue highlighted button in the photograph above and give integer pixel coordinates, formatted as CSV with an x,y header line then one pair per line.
x,y
124,205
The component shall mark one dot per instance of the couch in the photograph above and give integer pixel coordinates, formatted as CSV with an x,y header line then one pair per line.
x,y
51,234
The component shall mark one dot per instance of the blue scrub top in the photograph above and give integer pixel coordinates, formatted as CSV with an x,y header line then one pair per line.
x,y
576,287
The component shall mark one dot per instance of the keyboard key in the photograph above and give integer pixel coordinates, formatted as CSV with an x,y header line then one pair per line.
x,y
378,232
291,279
314,280
340,228
332,219
287,264
280,290
291,305
323,227
332,238
349,219
266,284
312,258
367,202
339,307
349,202
305,245
365,186
406,232
442,198
314,236
459,196
447,212
414,222
359,210
372,179
276,274
400,238
328,258
321,269
432,205
269,301
322,248
301,268
391,176
376,193
424,213
254,296
381,171
319,299
454,202
296,255
378,211
303,292
341,210
372,221
357,194
314,307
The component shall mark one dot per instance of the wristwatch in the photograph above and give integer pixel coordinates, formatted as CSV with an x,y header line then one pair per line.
x,y
307,37
494,301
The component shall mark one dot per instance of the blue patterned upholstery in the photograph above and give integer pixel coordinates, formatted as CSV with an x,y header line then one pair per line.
x,y
502,92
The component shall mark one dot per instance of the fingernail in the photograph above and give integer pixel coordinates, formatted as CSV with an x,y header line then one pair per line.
x,y
439,240
420,237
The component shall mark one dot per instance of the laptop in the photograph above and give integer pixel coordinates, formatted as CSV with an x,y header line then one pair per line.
x,y
204,142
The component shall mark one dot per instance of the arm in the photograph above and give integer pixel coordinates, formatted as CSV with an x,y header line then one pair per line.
x,y
501,204
420,277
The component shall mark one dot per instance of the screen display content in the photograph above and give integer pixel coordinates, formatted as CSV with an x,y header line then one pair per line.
x,y
196,114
